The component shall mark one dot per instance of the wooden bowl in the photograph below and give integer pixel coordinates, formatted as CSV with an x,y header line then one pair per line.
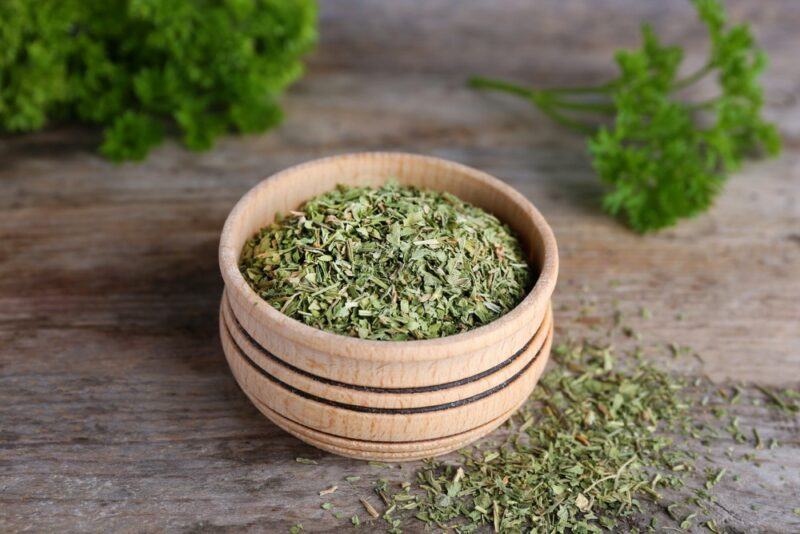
x,y
371,399
251,354
363,432
382,450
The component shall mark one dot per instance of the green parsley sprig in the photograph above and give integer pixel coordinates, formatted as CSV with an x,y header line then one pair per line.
x,y
139,68
666,158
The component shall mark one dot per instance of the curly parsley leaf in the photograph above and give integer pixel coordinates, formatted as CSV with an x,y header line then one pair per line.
x,y
665,158
139,67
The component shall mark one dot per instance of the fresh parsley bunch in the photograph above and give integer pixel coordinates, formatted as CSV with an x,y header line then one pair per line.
x,y
139,67
663,157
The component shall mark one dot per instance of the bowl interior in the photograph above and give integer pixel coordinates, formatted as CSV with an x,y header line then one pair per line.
x,y
288,190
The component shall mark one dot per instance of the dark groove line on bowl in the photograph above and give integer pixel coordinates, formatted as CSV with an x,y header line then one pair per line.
x,y
326,435
371,389
368,409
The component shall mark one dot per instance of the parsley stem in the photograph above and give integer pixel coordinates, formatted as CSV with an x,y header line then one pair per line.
x,y
546,101
564,120
599,107
692,78
705,104
478,82
602,88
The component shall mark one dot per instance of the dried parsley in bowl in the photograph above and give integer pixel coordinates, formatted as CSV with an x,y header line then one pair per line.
x,y
393,263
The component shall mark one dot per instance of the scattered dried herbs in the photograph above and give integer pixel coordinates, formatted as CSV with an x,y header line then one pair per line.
x,y
369,508
604,431
392,263
786,400
328,491
592,442
605,438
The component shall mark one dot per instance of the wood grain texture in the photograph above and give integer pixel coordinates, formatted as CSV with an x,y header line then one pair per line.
x,y
377,397
404,451
388,424
419,448
118,410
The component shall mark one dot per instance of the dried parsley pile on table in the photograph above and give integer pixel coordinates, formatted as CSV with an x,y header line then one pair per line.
x,y
592,442
605,440
392,263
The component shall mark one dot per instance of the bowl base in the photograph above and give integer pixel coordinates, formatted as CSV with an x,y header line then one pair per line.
x,y
407,451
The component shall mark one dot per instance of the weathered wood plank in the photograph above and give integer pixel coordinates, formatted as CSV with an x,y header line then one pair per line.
x,y
118,412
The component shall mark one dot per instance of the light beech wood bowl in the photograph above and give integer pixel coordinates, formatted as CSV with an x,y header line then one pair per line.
x,y
381,450
370,423
249,353
398,400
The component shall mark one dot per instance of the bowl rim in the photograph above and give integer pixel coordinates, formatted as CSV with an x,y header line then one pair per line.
x,y
389,350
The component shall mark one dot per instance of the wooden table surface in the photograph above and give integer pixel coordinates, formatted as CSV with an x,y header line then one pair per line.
x,y
117,410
